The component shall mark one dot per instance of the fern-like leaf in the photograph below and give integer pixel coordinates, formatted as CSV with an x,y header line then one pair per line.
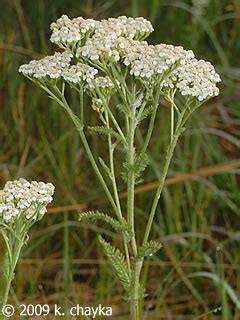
x,y
119,263
138,101
147,112
148,249
123,109
106,132
122,226
140,163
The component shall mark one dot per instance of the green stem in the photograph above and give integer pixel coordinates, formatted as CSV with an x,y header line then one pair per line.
x,y
135,310
81,105
172,122
7,287
110,114
11,268
131,183
97,171
130,212
111,160
79,125
167,162
152,120
114,184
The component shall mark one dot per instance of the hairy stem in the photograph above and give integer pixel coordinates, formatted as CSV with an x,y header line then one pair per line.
x,y
115,190
98,173
10,267
81,105
167,162
152,120
134,309
60,99
131,183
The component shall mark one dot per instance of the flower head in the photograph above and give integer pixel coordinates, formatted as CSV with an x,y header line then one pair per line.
x,y
49,67
79,73
146,61
196,78
24,200
103,43
66,32
116,43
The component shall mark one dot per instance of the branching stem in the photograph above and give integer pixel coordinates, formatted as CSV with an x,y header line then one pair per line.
x,y
166,165
79,125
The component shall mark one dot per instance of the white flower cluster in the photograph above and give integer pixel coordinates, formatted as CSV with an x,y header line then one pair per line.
x,y
50,66
104,41
66,31
196,78
24,199
128,27
121,40
79,73
147,60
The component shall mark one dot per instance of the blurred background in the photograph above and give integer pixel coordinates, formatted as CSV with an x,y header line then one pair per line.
x,y
196,274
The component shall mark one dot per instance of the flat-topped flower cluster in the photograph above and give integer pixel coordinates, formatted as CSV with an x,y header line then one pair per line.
x,y
98,45
50,66
23,199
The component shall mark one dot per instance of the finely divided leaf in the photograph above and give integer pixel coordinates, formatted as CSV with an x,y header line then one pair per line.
x,y
138,102
122,108
146,112
106,132
115,224
140,163
148,249
119,263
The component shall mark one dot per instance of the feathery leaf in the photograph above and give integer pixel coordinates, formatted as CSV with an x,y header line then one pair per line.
x,y
119,263
148,249
105,132
146,112
140,163
115,224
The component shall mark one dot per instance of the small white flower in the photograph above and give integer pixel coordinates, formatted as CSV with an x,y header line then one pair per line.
x,y
43,210
21,198
3,207
7,216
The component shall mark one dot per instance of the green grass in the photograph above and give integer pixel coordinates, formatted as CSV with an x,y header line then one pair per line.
x,y
189,278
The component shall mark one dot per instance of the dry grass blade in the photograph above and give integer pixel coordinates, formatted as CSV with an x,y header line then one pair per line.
x,y
18,50
153,185
188,176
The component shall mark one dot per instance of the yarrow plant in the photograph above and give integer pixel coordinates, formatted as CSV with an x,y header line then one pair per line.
x,y
22,204
126,79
